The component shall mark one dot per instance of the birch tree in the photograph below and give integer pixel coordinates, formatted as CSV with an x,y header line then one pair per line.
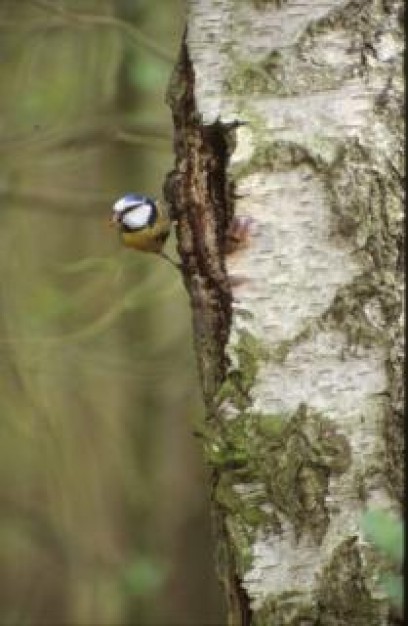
x,y
291,114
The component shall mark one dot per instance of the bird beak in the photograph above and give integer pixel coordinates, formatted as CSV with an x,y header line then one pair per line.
x,y
113,220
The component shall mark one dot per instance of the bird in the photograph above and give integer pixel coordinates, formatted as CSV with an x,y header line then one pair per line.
x,y
143,223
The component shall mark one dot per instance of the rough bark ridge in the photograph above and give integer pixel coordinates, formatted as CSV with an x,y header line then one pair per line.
x,y
301,365
200,200
196,192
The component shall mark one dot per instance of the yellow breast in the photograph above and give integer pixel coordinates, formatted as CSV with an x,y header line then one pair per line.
x,y
149,238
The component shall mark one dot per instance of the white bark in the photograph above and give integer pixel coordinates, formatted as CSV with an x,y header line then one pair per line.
x,y
319,100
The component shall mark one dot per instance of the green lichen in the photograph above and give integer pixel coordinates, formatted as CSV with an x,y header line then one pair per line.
x,y
343,597
277,155
286,610
300,459
284,155
264,4
283,73
249,353
225,446
269,425
290,458
249,77
348,310
244,515
366,204
242,538
279,353
367,209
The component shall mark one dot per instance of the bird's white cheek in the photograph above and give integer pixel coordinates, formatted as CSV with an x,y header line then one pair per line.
x,y
138,217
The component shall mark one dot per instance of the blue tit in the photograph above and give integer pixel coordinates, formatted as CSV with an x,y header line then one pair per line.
x,y
144,224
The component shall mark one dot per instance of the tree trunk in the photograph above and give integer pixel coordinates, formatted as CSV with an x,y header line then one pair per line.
x,y
291,114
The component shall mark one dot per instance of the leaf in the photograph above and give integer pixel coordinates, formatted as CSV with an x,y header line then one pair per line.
x,y
385,532
393,587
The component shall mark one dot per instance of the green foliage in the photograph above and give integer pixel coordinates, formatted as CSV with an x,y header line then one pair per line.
x,y
387,535
144,576
147,73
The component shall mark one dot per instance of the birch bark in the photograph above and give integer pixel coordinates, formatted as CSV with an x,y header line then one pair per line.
x,y
291,113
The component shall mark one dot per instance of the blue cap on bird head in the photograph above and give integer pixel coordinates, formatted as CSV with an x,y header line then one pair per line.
x,y
134,211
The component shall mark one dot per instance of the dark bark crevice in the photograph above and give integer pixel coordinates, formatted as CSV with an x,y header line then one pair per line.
x,y
200,200
198,195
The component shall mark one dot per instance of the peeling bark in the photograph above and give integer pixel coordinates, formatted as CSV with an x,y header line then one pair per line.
x,y
292,114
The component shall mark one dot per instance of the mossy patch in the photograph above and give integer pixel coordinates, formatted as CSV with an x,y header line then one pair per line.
x,y
249,352
264,4
286,610
367,209
289,459
342,595
283,73
243,514
295,464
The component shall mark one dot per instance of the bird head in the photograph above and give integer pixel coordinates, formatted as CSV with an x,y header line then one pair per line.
x,y
133,212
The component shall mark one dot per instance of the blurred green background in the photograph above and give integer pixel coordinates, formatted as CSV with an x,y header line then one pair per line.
x,y
104,513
